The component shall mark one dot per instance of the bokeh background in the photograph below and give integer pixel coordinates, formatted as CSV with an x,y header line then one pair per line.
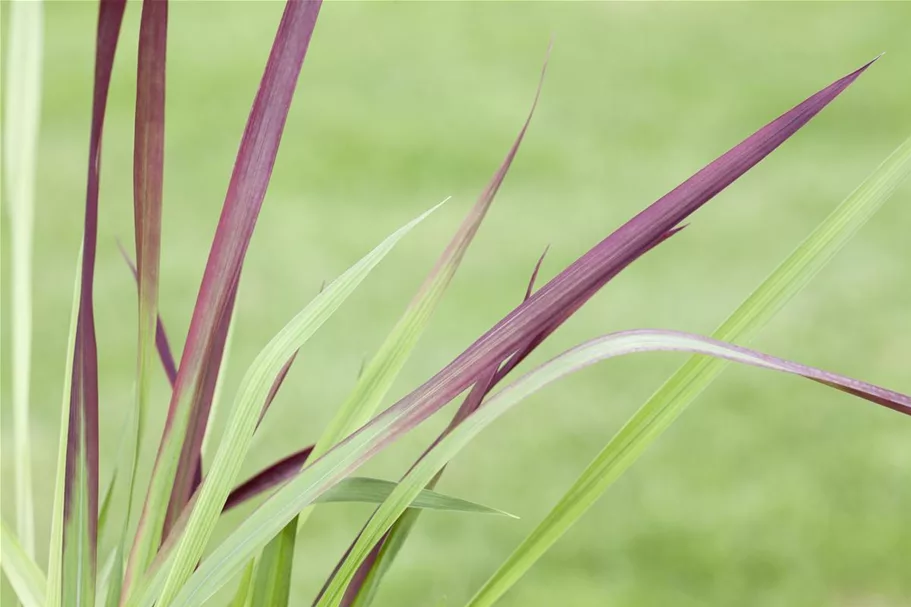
x,y
769,491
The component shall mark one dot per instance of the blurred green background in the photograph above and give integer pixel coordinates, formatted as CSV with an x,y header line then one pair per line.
x,y
770,491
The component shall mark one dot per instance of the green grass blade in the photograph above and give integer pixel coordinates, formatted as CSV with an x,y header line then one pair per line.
x,y
272,588
366,580
272,581
23,574
580,357
357,490
108,583
690,380
148,179
175,472
243,594
262,525
252,393
55,551
380,373
20,143
375,491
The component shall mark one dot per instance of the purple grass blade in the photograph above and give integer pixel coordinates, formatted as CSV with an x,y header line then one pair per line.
x,y
189,470
372,567
571,309
182,438
148,183
276,386
534,275
268,478
161,337
448,263
585,355
82,439
523,329
612,254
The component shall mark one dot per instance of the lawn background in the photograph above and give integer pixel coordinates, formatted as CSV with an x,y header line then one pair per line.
x,y
770,491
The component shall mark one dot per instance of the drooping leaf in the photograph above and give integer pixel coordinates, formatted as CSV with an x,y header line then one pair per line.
x,y
23,573
178,457
692,378
609,346
508,336
80,504
20,142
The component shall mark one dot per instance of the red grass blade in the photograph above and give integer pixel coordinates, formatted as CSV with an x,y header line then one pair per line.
x,y
81,483
148,180
579,281
514,337
268,478
276,386
182,438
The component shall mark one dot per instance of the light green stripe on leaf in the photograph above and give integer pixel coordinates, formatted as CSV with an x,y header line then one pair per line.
x,y
693,377
20,147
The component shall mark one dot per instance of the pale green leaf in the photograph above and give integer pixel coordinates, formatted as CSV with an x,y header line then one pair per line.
x,y
20,142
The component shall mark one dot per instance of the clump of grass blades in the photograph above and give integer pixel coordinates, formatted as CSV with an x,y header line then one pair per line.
x,y
162,562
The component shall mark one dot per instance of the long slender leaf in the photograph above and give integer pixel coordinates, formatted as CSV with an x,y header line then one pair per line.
x,y
80,505
189,467
177,462
696,375
148,181
242,595
374,491
609,346
380,373
23,574
366,580
253,392
108,583
55,557
508,336
20,143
